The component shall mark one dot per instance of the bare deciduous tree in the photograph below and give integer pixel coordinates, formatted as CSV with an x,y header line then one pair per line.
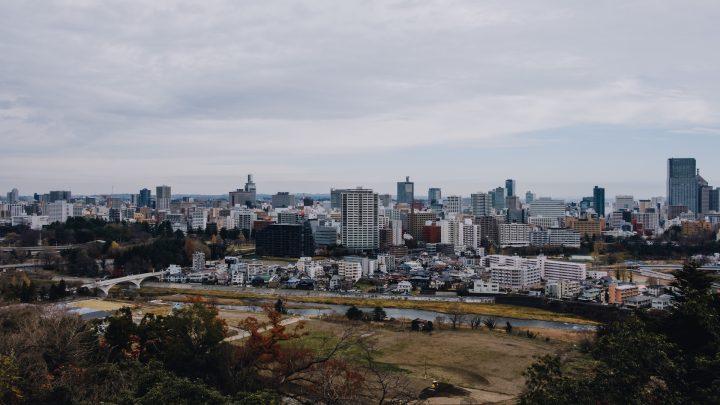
x,y
476,322
456,315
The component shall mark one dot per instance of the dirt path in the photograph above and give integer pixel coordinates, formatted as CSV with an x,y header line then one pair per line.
x,y
243,334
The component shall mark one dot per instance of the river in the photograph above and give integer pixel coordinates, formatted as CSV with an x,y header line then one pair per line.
x,y
333,309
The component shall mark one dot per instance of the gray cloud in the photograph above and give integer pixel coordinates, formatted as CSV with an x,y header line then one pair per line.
x,y
138,93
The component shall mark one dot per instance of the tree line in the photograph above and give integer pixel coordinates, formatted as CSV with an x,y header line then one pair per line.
x,y
669,357
48,356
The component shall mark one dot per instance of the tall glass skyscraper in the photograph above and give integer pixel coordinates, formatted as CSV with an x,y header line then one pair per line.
x,y
682,184
144,198
510,187
599,201
405,191
434,195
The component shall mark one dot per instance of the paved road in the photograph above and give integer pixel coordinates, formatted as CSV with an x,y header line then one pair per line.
x,y
20,266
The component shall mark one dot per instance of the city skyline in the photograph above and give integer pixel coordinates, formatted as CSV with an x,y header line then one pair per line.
x,y
388,187
96,96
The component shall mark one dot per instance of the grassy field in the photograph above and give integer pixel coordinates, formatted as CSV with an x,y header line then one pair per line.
x,y
100,305
502,310
488,364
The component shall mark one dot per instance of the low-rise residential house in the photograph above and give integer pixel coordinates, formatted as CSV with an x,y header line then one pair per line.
x,y
485,287
656,290
350,270
591,295
638,301
562,289
662,302
334,283
403,287
176,278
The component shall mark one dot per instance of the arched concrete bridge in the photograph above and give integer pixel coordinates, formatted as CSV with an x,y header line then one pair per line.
x,y
136,279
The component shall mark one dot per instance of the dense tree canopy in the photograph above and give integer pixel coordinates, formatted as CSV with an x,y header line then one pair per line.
x,y
182,358
650,357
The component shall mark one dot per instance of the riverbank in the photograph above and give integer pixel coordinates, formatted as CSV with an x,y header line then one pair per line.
x,y
499,310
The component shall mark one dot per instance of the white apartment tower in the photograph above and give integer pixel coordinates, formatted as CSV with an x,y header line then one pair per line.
x,y
59,211
359,209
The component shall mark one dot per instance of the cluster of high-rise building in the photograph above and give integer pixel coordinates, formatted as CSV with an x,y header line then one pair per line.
x,y
361,219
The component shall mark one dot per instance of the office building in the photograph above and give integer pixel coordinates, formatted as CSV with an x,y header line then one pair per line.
x,y
359,219
242,218
682,185
452,205
431,233
144,198
624,203
198,219
644,205
547,207
497,198
599,201
510,188
585,204
244,196
434,196
325,235
59,211
162,198
586,227
13,196
405,191
704,199
285,240
529,197
480,204
648,220
289,217
16,210
715,199
336,197
283,199
59,196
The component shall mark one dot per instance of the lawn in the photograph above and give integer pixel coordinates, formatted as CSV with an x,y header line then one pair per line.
x,y
488,364
100,305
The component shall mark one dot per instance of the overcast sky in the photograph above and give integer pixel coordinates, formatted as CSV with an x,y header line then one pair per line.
x,y
307,95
